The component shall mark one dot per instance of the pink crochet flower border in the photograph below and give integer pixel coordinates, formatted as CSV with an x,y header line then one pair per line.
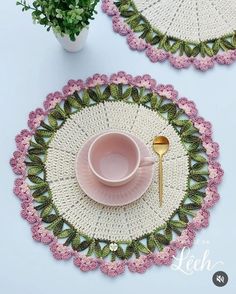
x,y
159,55
141,264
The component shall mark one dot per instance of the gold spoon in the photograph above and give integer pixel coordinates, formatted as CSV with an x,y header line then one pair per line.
x,y
160,146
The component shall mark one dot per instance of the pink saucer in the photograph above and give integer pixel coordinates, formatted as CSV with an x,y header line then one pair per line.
x,y
112,196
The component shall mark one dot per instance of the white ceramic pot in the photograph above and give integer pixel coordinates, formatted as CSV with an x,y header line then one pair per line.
x,y
73,46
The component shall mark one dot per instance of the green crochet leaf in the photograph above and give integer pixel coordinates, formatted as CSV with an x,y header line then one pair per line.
x,y
106,93
64,234
58,227
135,94
46,211
73,102
161,239
177,224
120,253
52,121
76,242
35,170
93,95
86,98
129,251
116,91
50,218
105,251
141,248
151,245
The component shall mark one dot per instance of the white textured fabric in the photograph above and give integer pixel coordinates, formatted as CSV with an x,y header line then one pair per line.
x,y
115,223
192,20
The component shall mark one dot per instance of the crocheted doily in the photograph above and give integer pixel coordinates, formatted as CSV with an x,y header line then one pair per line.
x,y
114,223
186,32
138,234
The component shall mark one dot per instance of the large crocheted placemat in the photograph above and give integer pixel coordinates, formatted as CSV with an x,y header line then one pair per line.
x,y
136,235
185,32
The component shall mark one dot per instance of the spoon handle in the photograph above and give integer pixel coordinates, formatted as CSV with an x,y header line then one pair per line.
x,y
160,181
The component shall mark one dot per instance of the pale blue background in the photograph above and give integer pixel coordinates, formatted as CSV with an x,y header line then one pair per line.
x,y
32,65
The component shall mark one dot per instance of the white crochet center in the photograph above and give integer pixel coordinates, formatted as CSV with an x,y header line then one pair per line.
x,y
115,223
192,20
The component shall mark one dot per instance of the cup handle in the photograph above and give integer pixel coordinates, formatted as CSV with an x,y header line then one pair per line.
x,y
147,161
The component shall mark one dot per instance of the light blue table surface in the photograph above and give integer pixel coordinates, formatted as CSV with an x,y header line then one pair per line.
x,y
32,64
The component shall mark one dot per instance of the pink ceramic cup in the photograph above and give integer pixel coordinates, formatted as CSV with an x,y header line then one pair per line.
x,y
114,159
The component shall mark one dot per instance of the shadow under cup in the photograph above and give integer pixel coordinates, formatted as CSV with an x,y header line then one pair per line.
x,y
114,158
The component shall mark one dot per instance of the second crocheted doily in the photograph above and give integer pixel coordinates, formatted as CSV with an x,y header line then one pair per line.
x,y
185,32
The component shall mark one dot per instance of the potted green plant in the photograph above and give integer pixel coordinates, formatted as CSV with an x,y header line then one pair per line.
x,y
69,19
